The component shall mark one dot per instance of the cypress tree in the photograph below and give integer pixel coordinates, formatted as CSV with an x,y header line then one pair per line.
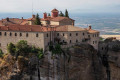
x,y
37,20
61,14
48,14
66,13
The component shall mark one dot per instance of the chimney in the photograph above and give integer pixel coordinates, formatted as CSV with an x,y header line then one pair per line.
x,y
90,27
45,15
7,18
33,16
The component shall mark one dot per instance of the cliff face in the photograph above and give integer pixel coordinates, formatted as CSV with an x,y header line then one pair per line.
x,y
83,63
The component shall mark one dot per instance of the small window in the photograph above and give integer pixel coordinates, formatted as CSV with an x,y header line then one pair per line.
x,y
89,36
76,40
70,41
97,35
15,34
48,43
93,42
10,34
102,48
20,34
37,35
76,34
0,44
0,33
63,41
93,35
96,42
5,34
47,34
70,34
57,34
26,34
63,34
83,34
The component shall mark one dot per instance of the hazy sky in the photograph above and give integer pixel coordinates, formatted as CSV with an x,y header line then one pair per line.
x,y
72,5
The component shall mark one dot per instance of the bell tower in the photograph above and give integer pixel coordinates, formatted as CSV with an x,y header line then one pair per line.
x,y
54,13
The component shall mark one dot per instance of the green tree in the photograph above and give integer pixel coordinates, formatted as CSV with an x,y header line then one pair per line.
x,y
1,53
61,14
11,49
48,14
22,48
66,13
37,20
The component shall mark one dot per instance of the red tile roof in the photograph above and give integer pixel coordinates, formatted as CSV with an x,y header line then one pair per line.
x,y
11,21
57,19
69,28
54,10
28,28
61,18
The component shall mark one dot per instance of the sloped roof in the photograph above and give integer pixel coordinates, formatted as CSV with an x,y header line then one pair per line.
x,y
28,28
61,18
69,28
11,21
54,10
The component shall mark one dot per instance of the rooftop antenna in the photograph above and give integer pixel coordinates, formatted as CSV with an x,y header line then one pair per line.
x,y
32,7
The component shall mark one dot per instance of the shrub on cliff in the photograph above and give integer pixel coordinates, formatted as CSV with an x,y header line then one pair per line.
x,y
11,49
22,48
1,53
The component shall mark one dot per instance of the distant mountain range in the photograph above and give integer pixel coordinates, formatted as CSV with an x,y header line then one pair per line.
x,y
106,23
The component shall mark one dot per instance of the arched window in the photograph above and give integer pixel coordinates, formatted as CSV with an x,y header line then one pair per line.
x,y
15,34
37,35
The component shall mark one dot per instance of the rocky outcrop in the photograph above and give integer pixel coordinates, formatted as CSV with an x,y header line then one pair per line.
x,y
82,62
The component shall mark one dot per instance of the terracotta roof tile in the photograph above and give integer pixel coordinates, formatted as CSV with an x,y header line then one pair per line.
x,y
69,28
61,18
28,28
54,10
92,31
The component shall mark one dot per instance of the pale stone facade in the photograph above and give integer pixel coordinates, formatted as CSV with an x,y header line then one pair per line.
x,y
70,36
30,37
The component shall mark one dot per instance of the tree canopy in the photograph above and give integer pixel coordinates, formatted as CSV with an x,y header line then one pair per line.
x,y
61,14
1,53
23,49
37,20
66,13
